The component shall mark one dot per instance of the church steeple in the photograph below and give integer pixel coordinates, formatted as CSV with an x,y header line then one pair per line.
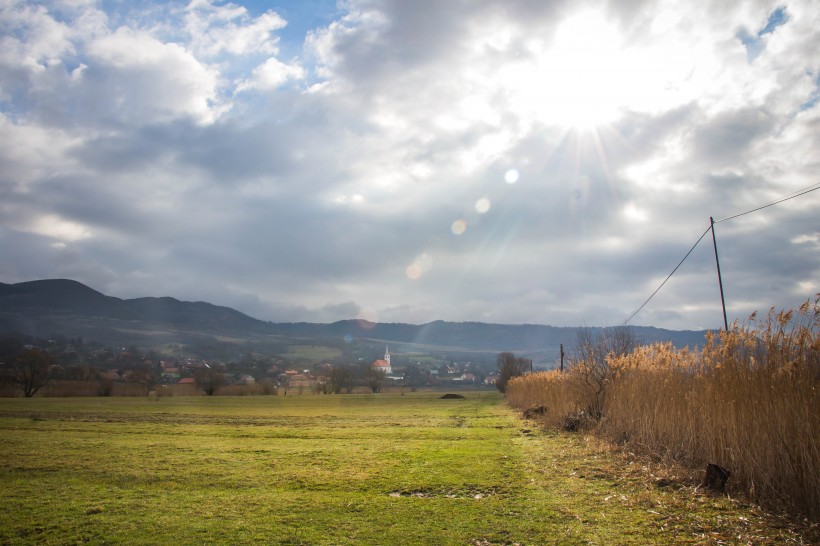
x,y
386,354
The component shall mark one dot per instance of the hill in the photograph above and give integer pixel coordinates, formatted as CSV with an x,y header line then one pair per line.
x,y
60,306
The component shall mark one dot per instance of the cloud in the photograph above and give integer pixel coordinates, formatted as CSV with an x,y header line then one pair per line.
x,y
270,75
229,28
755,43
148,81
155,149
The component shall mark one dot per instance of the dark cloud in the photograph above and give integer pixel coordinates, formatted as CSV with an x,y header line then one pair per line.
x,y
724,140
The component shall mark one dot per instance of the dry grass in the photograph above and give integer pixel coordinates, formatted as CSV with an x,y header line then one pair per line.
x,y
255,389
747,401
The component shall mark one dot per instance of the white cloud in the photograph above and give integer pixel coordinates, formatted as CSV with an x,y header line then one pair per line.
x,y
146,80
215,29
45,37
270,75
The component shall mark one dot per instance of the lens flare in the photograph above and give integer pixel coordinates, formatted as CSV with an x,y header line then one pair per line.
x,y
421,265
511,176
458,227
482,206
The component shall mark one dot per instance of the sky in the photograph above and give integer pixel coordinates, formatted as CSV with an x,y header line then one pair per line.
x,y
516,161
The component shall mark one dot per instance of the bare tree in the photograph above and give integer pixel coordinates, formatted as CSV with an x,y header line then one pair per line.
x,y
590,364
32,370
349,383
414,377
209,380
340,377
81,372
508,367
375,378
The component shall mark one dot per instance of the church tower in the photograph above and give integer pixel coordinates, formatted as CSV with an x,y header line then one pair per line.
x,y
384,365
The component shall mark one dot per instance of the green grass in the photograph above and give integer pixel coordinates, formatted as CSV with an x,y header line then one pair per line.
x,y
313,353
355,469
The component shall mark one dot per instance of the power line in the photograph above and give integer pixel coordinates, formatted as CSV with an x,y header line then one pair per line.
x,y
638,310
804,191
797,193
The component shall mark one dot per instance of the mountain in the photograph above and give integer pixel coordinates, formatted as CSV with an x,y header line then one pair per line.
x,y
61,306
477,336
47,307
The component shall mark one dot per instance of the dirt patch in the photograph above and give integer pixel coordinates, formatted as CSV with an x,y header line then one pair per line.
x,y
451,396
475,494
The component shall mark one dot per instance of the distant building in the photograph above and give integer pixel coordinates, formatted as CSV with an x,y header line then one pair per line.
x,y
384,365
300,381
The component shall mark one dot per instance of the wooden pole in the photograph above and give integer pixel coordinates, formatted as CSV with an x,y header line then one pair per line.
x,y
562,357
720,279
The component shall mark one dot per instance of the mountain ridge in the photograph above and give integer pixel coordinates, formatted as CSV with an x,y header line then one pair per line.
x,y
68,307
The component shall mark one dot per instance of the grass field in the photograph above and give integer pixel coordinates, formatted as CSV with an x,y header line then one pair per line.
x,y
355,469
312,353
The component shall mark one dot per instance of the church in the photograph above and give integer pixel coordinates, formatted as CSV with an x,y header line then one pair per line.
x,y
384,365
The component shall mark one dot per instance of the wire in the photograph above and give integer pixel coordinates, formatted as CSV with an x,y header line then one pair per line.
x,y
638,310
797,194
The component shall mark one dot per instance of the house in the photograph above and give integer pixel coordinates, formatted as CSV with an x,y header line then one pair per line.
x,y
300,381
466,377
246,379
169,375
109,375
187,381
383,365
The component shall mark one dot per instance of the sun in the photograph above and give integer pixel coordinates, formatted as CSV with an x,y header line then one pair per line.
x,y
582,79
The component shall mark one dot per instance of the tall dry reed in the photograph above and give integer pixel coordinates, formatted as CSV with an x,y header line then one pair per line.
x,y
747,401
553,390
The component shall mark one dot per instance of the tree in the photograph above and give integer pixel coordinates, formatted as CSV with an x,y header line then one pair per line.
x,y
414,377
508,367
340,376
590,364
209,380
32,370
143,377
82,372
375,378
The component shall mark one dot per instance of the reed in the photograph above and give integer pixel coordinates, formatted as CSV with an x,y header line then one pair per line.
x,y
552,389
748,401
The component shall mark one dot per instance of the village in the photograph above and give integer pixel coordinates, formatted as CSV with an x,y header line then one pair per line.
x,y
89,369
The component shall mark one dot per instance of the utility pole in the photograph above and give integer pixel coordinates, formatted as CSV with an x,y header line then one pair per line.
x,y
720,279
562,357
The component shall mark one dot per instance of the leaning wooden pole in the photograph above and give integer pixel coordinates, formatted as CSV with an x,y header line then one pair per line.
x,y
720,279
